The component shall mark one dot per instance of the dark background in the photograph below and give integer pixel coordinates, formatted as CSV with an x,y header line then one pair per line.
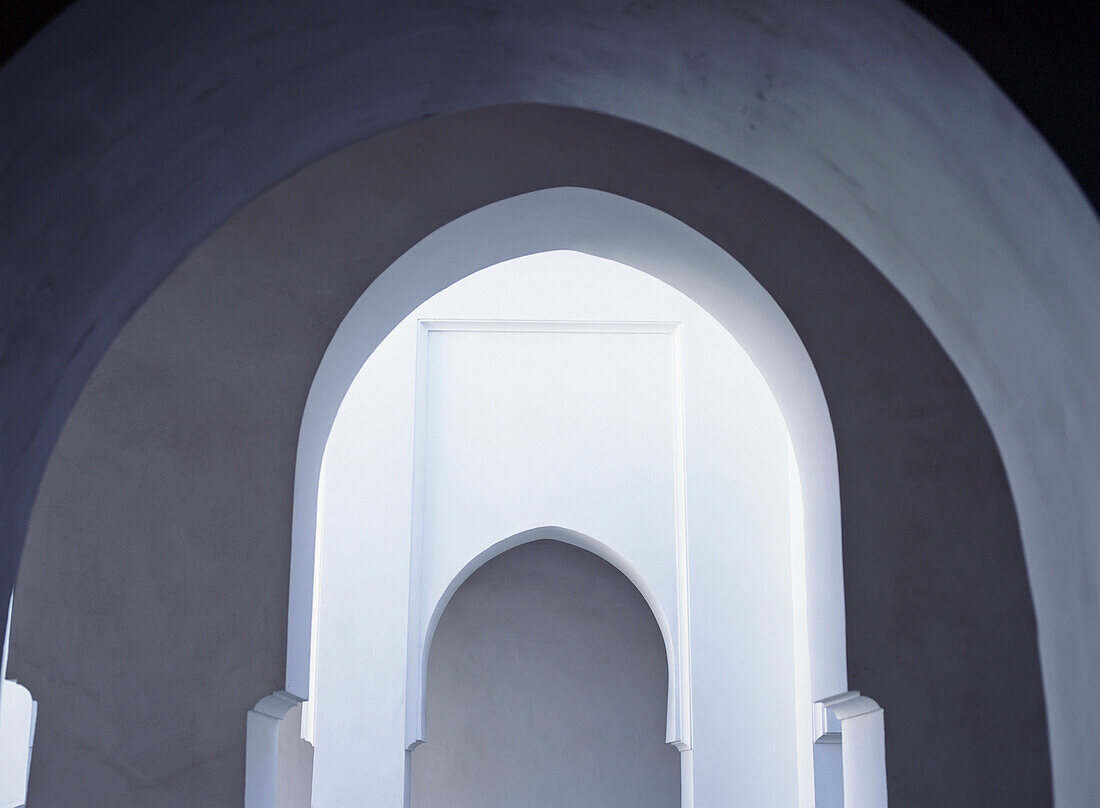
x,y
1040,53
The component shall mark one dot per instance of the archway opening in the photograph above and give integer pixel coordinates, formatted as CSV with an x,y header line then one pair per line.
x,y
546,685
627,412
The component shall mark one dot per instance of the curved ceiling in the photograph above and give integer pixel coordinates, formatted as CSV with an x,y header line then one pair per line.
x,y
1041,53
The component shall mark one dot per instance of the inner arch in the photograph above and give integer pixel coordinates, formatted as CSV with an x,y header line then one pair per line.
x,y
546,685
583,542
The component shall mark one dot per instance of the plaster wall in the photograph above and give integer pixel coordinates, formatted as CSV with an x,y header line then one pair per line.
x,y
162,529
16,740
17,710
130,133
546,686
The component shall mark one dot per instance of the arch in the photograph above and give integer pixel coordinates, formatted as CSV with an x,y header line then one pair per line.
x,y
17,718
608,226
857,328
727,403
943,230
584,542
535,633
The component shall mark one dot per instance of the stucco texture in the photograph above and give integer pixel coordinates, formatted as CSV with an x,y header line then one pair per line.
x,y
155,575
131,132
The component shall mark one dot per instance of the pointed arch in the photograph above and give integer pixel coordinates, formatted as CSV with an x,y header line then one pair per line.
x,y
584,542
608,226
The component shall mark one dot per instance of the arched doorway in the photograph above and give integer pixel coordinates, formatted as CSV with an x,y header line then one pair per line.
x,y
546,686
560,387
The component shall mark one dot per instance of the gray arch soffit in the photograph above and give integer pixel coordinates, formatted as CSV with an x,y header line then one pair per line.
x,y
129,134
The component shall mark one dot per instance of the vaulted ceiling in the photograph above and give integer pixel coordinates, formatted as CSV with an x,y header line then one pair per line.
x,y
1040,52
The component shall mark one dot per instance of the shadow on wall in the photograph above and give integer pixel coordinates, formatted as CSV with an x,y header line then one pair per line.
x,y
547,681
154,472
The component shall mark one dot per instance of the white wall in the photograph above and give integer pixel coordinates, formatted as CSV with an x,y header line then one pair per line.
x,y
17,719
563,389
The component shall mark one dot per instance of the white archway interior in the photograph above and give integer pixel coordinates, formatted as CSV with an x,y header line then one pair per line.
x,y
371,535
568,390
609,226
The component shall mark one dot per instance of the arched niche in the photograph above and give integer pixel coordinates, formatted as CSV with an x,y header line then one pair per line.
x,y
358,498
584,542
546,685
612,227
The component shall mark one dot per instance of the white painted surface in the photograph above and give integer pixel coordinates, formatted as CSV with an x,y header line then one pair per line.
x,y
864,752
850,749
278,763
605,225
530,423
564,390
17,720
